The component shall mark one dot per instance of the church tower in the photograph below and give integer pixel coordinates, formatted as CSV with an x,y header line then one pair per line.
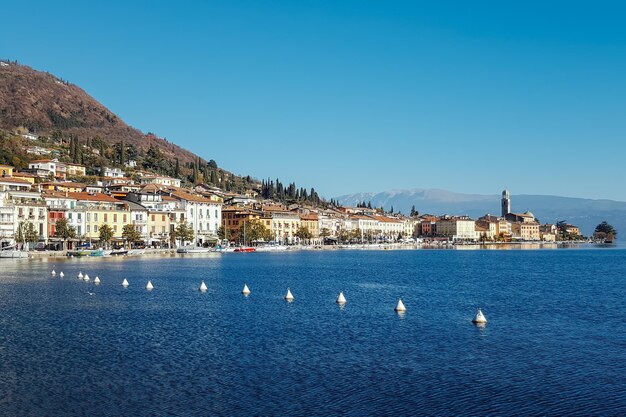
x,y
506,203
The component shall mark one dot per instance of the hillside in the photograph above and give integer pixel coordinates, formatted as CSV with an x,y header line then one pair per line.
x,y
585,213
51,108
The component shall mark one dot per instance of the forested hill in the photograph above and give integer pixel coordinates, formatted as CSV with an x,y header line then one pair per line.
x,y
62,114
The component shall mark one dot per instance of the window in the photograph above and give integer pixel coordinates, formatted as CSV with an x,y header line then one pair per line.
x,y
95,217
88,217
79,216
124,218
69,216
163,217
88,229
95,229
115,217
153,217
115,228
106,217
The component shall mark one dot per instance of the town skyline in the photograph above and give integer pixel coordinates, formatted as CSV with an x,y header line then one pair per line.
x,y
402,77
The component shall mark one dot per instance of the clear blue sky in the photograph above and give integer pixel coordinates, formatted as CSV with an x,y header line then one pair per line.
x,y
357,96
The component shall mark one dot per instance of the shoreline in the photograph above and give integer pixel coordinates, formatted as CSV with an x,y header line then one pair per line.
x,y
378,247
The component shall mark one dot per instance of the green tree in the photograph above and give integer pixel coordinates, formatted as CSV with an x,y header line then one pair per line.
x,y
304,234
183,232
64,231
131,234
324,232
106,234
605,231
254,231
26,232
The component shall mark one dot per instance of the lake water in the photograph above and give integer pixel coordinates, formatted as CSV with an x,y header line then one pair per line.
x,y
555,343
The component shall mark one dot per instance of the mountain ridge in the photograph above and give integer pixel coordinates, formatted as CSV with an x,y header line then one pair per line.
x,y
584,212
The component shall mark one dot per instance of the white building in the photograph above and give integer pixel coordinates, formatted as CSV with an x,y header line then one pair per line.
x,y
457,228
113,172
48,165
160,180
204,215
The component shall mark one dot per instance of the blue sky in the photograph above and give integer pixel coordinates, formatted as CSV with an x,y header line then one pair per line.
x,y
357,96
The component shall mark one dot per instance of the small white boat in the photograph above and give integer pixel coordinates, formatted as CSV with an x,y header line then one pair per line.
x,y
193,249
13,253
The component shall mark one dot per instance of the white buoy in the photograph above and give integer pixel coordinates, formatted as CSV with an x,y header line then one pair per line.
x,y
86,277
80,275
125,283
341,299
246,290
289,295
203,287
400,308
149,286
53,273
61,274
479,318
96,281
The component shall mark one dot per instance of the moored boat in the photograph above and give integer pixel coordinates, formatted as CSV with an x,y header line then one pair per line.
x,y
85,252
193,249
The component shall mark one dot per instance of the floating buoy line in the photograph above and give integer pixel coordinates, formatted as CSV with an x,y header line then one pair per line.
x,y
479,318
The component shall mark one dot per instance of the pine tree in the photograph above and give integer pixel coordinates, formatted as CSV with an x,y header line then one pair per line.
x,y
177,169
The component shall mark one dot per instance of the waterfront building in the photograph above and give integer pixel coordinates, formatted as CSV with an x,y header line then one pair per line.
x,y
29,207
501,225
427,225
457,228
58,205
526,230
312,222
138,218
284,226
203,214
98,209
234,218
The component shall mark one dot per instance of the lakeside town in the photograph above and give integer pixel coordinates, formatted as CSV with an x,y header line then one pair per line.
x,y
44,208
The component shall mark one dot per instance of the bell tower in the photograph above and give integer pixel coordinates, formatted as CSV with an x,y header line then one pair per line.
x,y
506,203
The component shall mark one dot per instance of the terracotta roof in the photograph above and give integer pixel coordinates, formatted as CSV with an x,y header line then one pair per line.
x,y
55,194
98,197
14,180
23,174
310,217
183,195
66,184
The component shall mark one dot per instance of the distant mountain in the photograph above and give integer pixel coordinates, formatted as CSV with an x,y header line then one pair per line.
x,y
585,213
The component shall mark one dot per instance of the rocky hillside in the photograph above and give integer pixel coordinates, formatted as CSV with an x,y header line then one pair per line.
x,y
44,104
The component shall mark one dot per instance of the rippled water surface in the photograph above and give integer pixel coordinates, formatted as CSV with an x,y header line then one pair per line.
x,y
555,343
